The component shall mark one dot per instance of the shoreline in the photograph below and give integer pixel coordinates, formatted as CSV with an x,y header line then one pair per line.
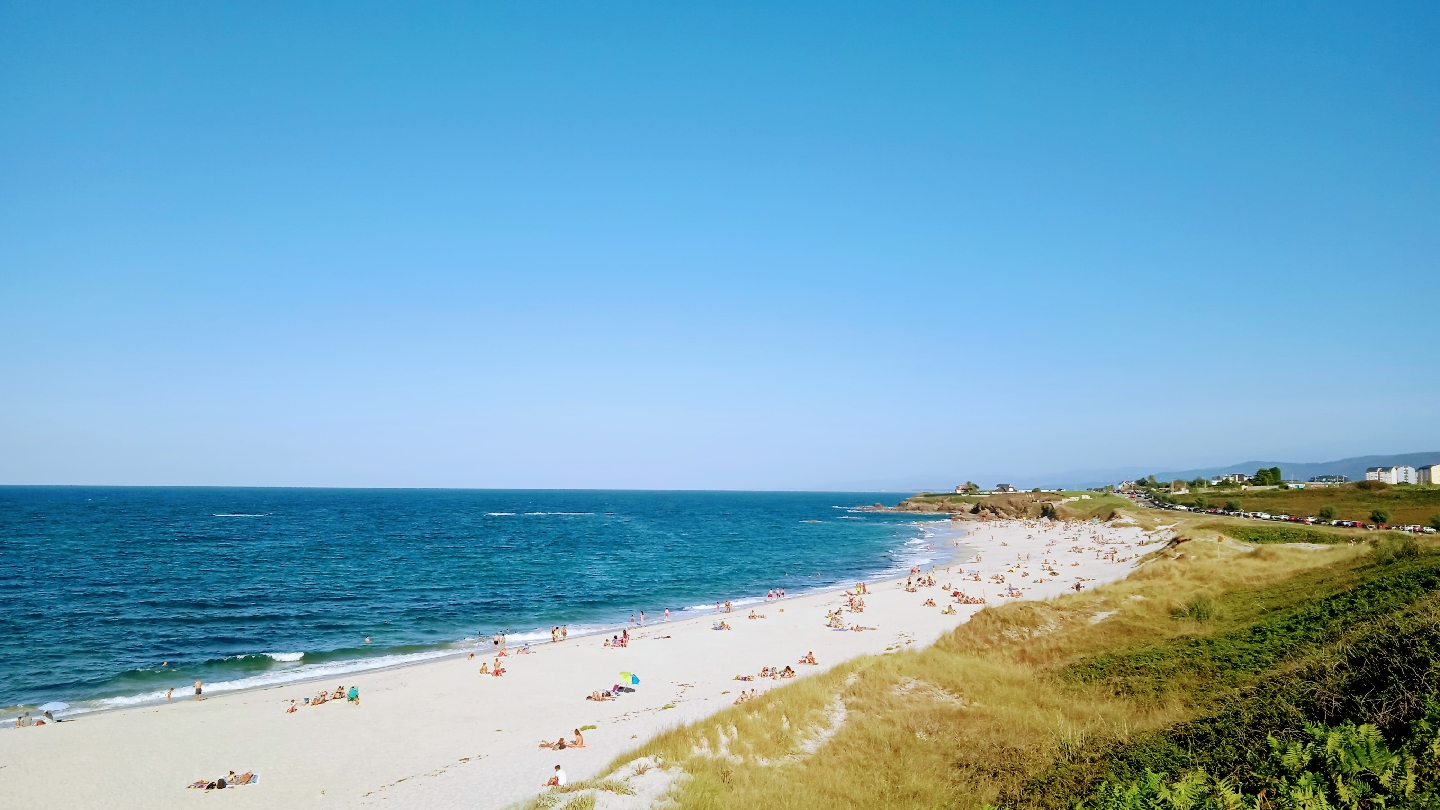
x,y
438,735
357,667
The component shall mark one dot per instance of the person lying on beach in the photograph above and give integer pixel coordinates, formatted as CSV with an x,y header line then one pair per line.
x,y
929,603
744,677
558,745
600,696
948,611
338,693
721,626
754,615
787,672
810,659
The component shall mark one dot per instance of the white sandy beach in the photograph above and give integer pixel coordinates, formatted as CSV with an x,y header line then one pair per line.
x,y
439,735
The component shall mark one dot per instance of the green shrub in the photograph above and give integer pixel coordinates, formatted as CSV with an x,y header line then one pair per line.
x,y
1281,533
1327,513
1342,766
1232,506
1379,516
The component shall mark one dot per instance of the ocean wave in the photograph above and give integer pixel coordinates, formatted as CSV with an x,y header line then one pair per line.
x,y
238,514
283,656
500,514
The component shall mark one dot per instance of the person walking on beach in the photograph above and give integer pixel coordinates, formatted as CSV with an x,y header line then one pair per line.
x,y
632,619
564,632
197,690
642,618
168,693
667,614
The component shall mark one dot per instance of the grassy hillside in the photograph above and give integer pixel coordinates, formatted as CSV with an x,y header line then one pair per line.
x,y
1068,505
1187,667
1405,504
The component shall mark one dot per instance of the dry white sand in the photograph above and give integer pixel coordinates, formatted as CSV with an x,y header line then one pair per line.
x,y
439,735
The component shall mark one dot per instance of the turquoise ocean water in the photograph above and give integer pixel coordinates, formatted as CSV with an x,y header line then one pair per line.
x,y
113,595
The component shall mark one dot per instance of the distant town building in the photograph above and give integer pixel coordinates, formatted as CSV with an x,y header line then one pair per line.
x,y
1429,474
1401,474
1232,478
1004,488
1332,480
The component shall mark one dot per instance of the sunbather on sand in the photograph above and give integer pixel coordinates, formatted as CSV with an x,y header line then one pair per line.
x,y
579,741
338,693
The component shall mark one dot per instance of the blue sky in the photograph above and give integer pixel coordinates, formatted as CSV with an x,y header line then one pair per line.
x,y
740,245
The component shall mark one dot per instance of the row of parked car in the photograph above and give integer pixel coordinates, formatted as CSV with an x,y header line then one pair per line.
x,y
1349,524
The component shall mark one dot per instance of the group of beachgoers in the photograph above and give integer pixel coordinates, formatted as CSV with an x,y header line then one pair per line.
x,y
616,642
351,696
499,670
561,744
26,721
913,584
231,779
559,632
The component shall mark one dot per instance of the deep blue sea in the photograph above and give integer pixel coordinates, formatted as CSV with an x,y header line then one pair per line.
x,y
109,596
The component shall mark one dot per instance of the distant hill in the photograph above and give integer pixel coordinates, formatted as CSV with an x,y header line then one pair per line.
x,y
1352,468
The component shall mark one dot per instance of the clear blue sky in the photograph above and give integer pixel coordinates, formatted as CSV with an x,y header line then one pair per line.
x,y
739,245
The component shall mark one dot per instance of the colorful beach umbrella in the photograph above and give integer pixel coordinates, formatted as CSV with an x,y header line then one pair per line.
x,y
630,678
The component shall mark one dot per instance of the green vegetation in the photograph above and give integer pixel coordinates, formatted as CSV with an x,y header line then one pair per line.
x,y
1278,533
1379,516
1210,675
1345,767
1405,505
1055,505
1267,477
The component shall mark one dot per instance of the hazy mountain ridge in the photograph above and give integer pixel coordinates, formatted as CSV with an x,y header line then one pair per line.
x,y
1352,468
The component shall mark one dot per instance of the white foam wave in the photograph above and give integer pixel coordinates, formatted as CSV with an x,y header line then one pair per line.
x,y
238,514
500,514
295,656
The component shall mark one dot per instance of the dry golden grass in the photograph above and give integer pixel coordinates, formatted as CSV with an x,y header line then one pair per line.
x,y
970,718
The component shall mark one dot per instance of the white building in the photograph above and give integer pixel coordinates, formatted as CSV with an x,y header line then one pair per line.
x,y
1391,475
1429,474
1004,488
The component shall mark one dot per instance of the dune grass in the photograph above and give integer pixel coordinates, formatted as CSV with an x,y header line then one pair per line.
x,y
1032,703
